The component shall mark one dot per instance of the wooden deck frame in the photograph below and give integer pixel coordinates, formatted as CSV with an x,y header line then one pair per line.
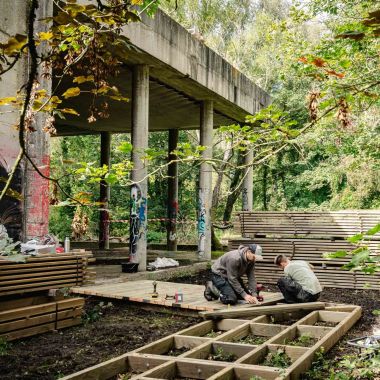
x,y
151,361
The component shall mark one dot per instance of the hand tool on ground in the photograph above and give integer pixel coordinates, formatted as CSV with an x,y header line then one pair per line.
x,y
155,293
259,288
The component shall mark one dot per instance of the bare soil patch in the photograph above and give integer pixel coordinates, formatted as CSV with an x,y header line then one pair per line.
x,y
119,329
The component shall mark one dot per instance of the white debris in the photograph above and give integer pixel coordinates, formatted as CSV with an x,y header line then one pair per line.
x,y
163,262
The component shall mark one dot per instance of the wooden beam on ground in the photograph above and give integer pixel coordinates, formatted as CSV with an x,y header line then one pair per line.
x,y
260,310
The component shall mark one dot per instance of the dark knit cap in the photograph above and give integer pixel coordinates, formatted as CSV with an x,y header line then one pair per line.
x,y
252,247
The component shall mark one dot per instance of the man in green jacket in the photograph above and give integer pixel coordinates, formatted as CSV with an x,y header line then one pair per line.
x,y
300,283
226,275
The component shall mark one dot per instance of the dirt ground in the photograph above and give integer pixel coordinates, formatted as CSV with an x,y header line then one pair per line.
x,y
117,330
112,331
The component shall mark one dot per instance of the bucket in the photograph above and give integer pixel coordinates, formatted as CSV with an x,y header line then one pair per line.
x,y
129,267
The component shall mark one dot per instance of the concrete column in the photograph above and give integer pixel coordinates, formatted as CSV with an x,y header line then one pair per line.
x,y
247,189
139,190
30,216
172,192
205,182
104,192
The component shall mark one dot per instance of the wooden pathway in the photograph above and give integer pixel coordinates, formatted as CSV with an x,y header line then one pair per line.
x,y
141,291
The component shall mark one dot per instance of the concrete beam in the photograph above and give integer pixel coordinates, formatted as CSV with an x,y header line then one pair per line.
x,y
205,182
139,190
187,64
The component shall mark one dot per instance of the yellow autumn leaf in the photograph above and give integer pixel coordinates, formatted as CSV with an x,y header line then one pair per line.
x,y
82,79
45,36
14,44
55,100
71,111
5,101
137,2
71,92
119,98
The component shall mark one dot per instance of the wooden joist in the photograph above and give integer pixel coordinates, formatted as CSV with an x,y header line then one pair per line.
x,y
261,310
156,361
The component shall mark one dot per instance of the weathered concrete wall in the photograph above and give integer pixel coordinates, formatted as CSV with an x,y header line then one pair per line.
x,y
32,213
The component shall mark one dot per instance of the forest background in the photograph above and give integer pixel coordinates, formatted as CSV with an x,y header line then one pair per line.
x,y
319,61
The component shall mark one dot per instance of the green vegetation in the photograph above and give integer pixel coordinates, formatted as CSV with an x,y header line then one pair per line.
x,y
305,340
252,339
95,313
222,355
213,334
278,358
363,366
4,346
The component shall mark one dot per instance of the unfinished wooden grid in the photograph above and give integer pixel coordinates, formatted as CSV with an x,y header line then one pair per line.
x,y
279,328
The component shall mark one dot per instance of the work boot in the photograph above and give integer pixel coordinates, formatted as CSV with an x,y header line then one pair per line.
x,y
211,292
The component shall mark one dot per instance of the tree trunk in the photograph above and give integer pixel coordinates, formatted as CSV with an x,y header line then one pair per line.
x,y
216,245
235,187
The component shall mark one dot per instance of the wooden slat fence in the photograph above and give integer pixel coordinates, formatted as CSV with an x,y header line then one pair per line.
x,y
293,234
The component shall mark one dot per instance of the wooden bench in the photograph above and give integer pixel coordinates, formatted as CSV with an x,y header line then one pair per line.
x,y
308,236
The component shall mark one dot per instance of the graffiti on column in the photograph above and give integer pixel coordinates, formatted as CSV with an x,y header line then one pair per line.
x,y
137,218
201,223
245,199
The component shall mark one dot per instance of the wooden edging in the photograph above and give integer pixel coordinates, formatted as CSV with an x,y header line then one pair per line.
x,y
260,310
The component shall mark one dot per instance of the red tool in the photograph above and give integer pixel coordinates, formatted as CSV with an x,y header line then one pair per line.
x,y
259,288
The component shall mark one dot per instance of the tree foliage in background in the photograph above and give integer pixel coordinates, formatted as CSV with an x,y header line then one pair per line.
x,y
315,148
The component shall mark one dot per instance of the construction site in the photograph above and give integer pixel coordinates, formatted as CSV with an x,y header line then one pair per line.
x,y
121,294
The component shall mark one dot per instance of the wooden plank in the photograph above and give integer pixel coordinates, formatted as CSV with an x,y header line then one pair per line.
x,y
40,288
39,320
27,312
45,277
248,312
29,331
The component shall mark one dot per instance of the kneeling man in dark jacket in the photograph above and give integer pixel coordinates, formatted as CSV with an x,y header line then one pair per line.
x,y
300,284
227,283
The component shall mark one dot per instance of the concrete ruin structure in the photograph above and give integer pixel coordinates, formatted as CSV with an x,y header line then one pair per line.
x,y
174,81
